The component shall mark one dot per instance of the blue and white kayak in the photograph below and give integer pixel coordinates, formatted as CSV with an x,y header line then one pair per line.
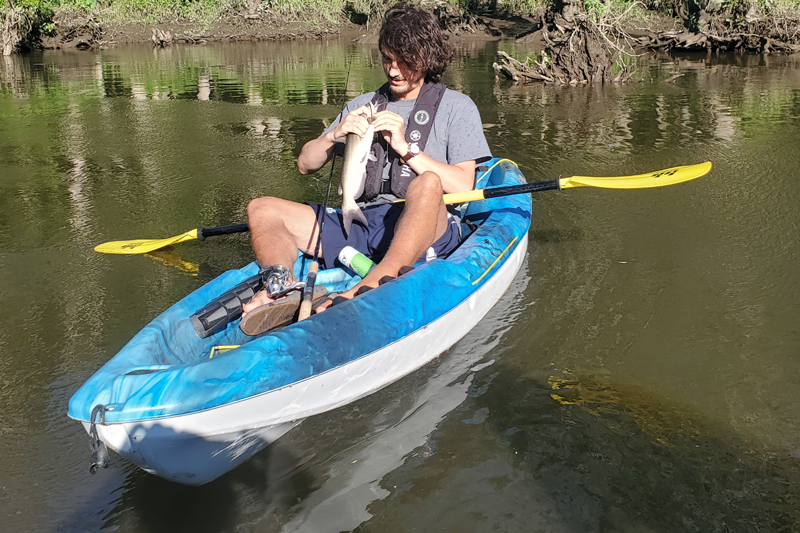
x,y
176,412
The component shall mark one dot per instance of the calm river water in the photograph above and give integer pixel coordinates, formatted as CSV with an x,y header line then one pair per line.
x,y
641,374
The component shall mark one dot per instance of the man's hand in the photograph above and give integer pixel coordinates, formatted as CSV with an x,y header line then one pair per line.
x,y
353,122
317,152
393,129
455,178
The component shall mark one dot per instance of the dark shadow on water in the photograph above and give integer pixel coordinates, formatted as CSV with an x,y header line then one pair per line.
x,y
152,504
549,236
580,453
159,505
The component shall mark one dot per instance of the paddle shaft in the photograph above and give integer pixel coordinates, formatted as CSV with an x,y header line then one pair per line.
x,y
659,178
203,232
478,194
497,192
452,198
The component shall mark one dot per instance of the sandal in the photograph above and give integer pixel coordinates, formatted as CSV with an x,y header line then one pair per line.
x,y
277,313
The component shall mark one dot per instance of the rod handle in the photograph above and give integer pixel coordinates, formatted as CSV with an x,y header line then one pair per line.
x,y
308,292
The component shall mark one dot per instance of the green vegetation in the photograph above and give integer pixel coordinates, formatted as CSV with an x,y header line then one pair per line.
x,y
199,10
25,21
601,9
332,10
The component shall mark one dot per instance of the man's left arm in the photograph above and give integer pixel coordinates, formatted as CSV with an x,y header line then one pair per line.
x,y
458,177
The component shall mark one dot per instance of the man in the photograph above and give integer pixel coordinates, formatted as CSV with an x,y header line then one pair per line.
x,y
428,141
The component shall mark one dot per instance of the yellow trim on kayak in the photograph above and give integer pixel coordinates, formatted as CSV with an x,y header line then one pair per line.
x,y
501,161
495,261
219,348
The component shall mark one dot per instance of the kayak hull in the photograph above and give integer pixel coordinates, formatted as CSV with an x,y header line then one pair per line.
x,y
198,448
180,414
182,451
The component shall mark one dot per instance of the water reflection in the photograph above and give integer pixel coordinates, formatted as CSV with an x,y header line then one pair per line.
x,y
639,115
587,464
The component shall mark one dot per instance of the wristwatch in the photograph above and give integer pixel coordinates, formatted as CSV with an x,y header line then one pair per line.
x,y
413,150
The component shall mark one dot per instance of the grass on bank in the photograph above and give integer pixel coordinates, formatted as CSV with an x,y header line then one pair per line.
x,y
151,11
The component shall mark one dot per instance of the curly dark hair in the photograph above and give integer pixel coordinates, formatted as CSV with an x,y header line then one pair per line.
x,y
413,36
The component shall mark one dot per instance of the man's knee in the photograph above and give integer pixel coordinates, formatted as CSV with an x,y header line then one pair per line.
x,y
427,184
261,207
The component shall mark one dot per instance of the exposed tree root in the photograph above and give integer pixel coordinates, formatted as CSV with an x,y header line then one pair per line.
x,y
577,49
161,38
730,26
10,37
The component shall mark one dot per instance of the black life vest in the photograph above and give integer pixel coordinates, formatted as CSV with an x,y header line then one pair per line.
x,y
417,131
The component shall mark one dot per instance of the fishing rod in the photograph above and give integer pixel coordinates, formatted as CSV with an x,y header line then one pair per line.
x,y
311,277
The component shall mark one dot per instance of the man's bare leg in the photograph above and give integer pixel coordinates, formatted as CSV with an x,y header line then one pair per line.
x,y
278,228
423,221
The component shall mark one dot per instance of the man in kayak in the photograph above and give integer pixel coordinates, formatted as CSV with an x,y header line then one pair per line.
x,y
428,142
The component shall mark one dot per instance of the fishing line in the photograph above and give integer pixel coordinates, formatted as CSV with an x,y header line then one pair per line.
x,y
311,279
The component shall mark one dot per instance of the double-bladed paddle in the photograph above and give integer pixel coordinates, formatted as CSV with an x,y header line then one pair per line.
x,y
659,178
143,246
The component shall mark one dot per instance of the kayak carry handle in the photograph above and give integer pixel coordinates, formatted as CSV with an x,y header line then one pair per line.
x,y
98,447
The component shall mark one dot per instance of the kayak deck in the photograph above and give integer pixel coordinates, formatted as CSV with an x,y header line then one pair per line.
x,y
165,370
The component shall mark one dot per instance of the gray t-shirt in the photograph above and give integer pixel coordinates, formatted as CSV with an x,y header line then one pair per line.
x,y
456,135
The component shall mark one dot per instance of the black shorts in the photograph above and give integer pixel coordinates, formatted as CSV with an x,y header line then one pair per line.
x,y
373,241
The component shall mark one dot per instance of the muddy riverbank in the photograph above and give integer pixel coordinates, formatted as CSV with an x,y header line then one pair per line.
x,y
84,30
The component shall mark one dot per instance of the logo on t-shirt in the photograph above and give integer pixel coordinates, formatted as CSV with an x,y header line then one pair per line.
x,y
415,135
421,117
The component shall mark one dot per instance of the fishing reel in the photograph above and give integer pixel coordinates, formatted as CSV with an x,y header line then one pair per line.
x,y
276,281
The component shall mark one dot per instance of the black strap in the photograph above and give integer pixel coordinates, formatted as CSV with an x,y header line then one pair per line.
x,y
417,131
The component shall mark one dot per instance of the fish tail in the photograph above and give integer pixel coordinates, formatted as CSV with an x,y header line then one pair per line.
x,y
351,213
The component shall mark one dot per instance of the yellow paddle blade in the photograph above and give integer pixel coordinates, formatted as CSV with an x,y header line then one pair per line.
x,y
142,246
659,178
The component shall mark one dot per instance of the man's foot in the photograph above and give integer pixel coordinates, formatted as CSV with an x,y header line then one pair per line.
x,y
256,301
377,276
276,313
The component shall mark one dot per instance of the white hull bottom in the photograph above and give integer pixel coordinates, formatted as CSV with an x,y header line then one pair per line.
x,y
187,457
198,448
